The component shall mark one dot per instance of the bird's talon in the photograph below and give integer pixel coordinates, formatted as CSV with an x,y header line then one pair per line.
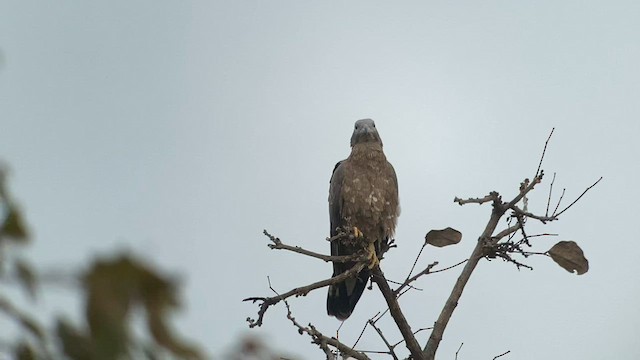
x,y
357,233
373,258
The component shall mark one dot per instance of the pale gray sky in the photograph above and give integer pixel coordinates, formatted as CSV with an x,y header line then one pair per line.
x,y
180,130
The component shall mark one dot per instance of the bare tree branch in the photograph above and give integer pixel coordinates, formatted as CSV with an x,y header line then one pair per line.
x,y
428,270
525,190
394,308
543,219
478,252
415,277
491,197
323,341
505,232
299,291
279,245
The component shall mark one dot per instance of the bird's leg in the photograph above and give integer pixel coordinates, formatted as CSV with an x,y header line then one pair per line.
x,y
373,258
357,233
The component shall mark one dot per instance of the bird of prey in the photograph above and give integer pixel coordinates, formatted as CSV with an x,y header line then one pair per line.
x,y
363,196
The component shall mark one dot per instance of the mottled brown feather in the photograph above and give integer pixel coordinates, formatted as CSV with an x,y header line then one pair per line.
x,y
363,193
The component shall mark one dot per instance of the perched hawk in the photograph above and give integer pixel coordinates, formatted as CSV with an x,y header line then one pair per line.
x,y
363,195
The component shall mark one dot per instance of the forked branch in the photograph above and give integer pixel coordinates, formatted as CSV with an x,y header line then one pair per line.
x,y
266,302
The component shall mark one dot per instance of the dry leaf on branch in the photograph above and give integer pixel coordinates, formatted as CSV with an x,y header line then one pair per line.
x,y
444,237
569,256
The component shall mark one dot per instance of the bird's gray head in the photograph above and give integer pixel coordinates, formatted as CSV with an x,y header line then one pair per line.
x,y
365,131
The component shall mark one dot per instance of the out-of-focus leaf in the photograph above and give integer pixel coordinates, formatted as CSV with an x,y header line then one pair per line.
x,y
31,325
164,336
110,287
13,226
113,287
22,319
444,237
26,277
75,345
569,256
24,351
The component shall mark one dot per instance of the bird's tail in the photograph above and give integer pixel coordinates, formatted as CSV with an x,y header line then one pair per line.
x,y
343,296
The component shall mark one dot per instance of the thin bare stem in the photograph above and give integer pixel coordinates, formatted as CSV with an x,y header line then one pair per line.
x,y
553,180
384,339
414,278
503,354
415,332
457,351
579,197
415,262
361,333
559,201
544,151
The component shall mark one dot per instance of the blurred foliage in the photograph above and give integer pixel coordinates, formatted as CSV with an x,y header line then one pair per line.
x,y
113,289
253,348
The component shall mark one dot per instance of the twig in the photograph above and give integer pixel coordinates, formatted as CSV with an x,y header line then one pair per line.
x,y
384,339
529,253
427,270
543,219
323,341
523,192
361,332
543,151
491,197
579,197
553,180
521,220
450,267
415,262
559,201
299,291
503,354
279,245
415,332
457,351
